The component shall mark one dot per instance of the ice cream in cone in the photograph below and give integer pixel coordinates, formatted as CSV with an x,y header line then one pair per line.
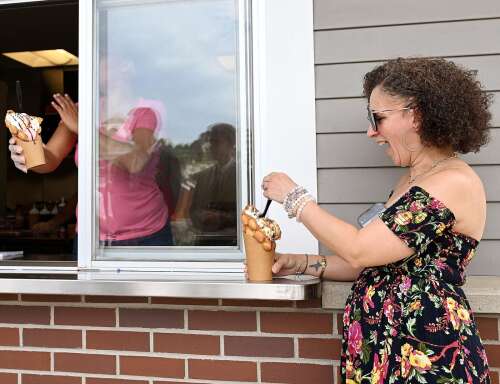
x,y
26,130
260,235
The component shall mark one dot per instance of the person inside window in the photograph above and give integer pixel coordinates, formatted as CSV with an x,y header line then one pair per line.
x,y
213,207
132,210
407,318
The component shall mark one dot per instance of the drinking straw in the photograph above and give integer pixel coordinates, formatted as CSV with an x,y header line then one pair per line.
x,y
267,207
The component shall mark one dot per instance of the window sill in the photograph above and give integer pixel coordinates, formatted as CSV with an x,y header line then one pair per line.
x,y
158,285
483,293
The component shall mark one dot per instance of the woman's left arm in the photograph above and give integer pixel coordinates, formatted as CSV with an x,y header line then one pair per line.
x,y
370,246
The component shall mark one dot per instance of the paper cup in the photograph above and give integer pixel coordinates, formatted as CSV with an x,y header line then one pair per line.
x,y
33,152
259,261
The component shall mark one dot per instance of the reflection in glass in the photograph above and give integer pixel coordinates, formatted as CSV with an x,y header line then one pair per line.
x,y
167,117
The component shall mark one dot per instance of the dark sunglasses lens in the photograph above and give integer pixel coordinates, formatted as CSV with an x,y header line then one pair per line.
x,y
371,119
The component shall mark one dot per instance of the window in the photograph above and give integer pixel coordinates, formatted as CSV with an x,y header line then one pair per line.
x,y
207,42
261,83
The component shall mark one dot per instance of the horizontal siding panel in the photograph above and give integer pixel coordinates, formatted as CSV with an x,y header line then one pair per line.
x,y
484,263
349,115
486,259
440,39
357,150
346,80
350,213
371,185
355,13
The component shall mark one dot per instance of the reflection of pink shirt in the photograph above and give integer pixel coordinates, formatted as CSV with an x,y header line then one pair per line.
x,y
131,204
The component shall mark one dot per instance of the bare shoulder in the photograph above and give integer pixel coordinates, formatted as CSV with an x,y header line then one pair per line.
x,y
461,190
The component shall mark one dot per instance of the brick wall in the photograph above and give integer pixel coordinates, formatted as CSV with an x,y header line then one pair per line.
x,y
51,339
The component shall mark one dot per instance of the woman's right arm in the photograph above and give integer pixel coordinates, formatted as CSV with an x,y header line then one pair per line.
x,y
336,269
57,148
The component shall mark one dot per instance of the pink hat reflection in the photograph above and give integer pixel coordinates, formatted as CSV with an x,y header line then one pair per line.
x,y
124,132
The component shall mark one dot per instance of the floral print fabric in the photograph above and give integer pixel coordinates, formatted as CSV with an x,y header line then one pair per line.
x,y
409,322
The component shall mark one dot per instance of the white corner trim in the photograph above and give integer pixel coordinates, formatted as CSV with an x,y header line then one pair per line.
x,y
284,106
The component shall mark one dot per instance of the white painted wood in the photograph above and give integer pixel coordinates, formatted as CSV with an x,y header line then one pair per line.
x,y
346,80
440,39
350,213
86,170
356,13
363,185
349,115
357,150
284,108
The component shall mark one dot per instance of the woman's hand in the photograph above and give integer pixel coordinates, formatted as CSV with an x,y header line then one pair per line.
x,y
16,154
288,264
67,110
276,185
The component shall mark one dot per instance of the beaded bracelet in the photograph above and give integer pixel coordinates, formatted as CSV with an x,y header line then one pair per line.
x,y
291,200
307,199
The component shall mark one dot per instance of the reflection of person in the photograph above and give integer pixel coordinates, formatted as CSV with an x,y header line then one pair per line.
x,y
132,211
213,205
410,261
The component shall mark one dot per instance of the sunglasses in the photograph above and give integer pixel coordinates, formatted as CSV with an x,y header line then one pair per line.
x,y
372,118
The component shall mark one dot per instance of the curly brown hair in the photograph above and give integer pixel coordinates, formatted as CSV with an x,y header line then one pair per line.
x,y
449,100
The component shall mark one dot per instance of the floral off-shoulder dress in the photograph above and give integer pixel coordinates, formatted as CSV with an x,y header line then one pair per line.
x,y
409,322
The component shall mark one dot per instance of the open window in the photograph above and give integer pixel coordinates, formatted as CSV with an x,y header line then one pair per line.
x,y
38,58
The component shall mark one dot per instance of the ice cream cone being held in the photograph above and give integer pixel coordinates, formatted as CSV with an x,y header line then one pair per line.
x,y
260,235
25,131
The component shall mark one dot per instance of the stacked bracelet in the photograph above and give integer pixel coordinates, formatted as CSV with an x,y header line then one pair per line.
x,y
307,198
295,201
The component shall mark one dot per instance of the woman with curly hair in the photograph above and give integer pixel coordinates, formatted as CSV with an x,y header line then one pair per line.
x,y
407,319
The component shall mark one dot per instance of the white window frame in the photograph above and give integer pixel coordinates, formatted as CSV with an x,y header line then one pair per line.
x,y
283,135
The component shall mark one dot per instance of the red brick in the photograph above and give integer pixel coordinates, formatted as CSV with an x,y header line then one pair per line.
x,y
320,348
222,370
488,327
222,320
180,301
85,363
296,373
8,297
118,340
282,322
8,378
24,314
258,346
340,323
34,361
256,303
151,366
115,299
151,318
96,380
52,338
50,379
9,336
52,298
493,354
494,378
311,303
184,343
98,317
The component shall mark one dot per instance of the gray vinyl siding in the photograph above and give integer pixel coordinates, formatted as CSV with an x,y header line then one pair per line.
x,y
353,36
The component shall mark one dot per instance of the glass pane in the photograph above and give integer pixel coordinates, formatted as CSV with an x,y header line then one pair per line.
x,y
168,123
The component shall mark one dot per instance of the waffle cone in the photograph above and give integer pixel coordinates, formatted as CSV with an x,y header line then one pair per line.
x,y
259,261
32,151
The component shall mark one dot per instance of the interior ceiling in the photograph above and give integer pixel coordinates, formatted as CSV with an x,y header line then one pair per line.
x,y
39,25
